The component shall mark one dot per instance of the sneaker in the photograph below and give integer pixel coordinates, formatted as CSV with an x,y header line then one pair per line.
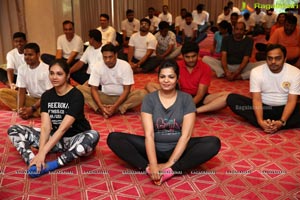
x,y
50,166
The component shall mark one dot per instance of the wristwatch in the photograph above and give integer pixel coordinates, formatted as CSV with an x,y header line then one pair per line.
x,y
283,122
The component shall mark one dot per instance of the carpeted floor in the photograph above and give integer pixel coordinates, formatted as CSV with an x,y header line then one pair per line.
x,y
250,165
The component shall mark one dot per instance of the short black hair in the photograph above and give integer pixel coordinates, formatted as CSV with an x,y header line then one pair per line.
x,y
224,24
19,35
188,47
95,34
109,47
68,22
163,25
151,8
271,47
106,16
234,15
291,19
146,20
230,3
200,6
183,9
188,14
226,8
33,46
129,11
246,15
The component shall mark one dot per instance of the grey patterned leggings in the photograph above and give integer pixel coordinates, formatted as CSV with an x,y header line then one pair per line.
x,y
25,137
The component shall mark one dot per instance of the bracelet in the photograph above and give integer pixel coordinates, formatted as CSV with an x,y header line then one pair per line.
x,y
283,122
33,108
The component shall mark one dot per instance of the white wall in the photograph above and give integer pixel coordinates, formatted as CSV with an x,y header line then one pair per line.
x,y
44,21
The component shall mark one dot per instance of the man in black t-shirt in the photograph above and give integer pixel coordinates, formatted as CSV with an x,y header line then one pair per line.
x,y
236,51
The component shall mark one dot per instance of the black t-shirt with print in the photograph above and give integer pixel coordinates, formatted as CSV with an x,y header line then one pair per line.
x,y
71,104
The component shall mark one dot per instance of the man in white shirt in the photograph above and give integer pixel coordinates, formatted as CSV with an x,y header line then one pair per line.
x,y
33,78
15,59
116,78
201,18
234,17
109,34
69,46
275,89
141,51
268,21
81,70
129,26
258,17
233,9
190,30
153,19
166,15
249,22
179,20
225,15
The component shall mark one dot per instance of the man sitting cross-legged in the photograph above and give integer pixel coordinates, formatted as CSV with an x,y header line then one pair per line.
x,y
236,50
116,78
15,59
194,79
141,51
275,87
32,82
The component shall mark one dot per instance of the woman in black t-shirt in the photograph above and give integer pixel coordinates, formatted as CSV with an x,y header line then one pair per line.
x,y
168,117
64,127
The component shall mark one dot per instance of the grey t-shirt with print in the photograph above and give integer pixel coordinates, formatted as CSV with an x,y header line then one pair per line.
x,y
167,123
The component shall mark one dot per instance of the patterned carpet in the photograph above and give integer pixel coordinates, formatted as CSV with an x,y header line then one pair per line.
x,y
250,164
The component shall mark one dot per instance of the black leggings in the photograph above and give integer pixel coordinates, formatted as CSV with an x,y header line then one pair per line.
x,y
131,148
242,106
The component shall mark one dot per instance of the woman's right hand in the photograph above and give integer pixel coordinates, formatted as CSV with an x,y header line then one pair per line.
x,y
38,161
155,173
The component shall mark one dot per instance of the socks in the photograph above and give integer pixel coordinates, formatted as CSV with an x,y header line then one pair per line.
x,y
166,175
50,166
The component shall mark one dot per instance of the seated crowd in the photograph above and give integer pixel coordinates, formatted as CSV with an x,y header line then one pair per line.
x,y
39,86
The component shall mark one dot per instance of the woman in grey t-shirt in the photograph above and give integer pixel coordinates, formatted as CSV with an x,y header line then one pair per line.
x,y
168,117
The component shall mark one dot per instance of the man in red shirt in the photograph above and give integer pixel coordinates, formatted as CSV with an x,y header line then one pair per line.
x,y
194,79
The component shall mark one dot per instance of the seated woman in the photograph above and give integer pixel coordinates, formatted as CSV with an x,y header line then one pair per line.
x,y
168,117
279,23
64,127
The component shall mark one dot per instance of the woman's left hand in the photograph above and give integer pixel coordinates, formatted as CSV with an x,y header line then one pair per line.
x,y
38,161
